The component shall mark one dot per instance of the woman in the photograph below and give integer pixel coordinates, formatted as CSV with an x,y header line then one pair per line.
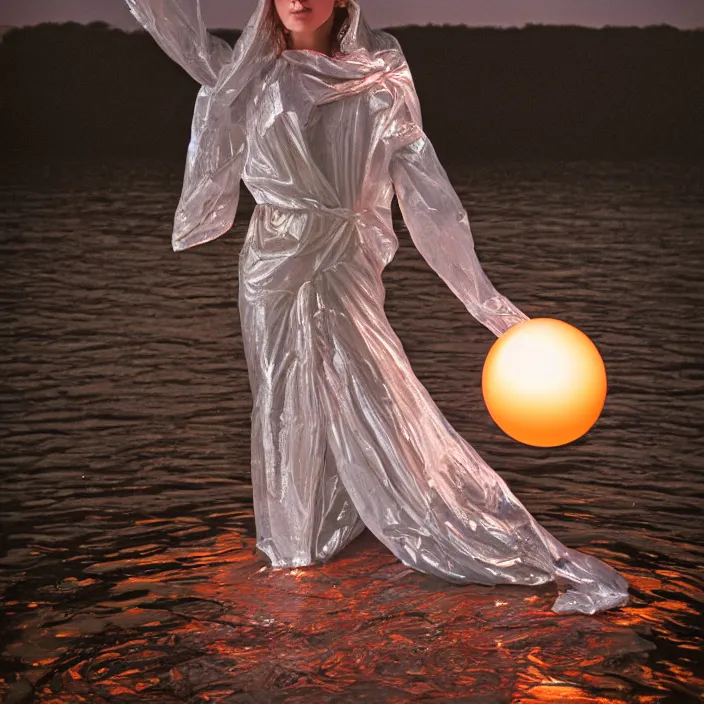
x,y
318,114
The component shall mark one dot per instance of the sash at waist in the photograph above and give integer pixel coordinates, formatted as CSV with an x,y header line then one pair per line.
x,y
338,212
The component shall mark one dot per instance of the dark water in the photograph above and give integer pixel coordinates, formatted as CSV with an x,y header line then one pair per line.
x,y
127,567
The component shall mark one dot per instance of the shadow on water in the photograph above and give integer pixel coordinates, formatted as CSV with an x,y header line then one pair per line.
x,y
127,565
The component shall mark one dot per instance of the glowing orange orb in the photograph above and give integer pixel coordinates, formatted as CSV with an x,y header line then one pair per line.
x,y
544,382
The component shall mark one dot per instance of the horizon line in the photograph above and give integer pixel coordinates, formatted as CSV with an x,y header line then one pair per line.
x,y
428,24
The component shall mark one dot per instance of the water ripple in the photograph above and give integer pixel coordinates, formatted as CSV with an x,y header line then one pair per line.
x,y
127,563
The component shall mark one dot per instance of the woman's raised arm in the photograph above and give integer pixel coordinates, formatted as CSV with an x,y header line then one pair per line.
x,y
178,28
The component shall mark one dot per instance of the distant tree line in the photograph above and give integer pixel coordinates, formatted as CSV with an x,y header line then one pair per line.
x,y
536,92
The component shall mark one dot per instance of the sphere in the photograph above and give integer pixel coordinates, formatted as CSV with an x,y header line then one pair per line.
x,y
544,382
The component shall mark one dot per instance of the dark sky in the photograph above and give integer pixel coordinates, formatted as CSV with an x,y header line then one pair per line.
x,y
384,13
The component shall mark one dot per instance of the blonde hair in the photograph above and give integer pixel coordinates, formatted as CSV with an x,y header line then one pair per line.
x,y
276,30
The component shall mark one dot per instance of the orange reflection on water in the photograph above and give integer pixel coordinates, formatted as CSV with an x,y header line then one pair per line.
x,y
218,619
565,694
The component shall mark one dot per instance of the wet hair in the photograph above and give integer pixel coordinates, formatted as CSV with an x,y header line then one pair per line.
x,y
275,27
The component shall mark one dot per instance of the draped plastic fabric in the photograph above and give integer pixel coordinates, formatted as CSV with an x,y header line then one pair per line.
x,y
343,434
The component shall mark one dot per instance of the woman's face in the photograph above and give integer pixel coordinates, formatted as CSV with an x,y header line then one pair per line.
x,y
304,15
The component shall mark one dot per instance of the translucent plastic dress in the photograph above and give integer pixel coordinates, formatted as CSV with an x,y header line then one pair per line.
x,y
343,434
